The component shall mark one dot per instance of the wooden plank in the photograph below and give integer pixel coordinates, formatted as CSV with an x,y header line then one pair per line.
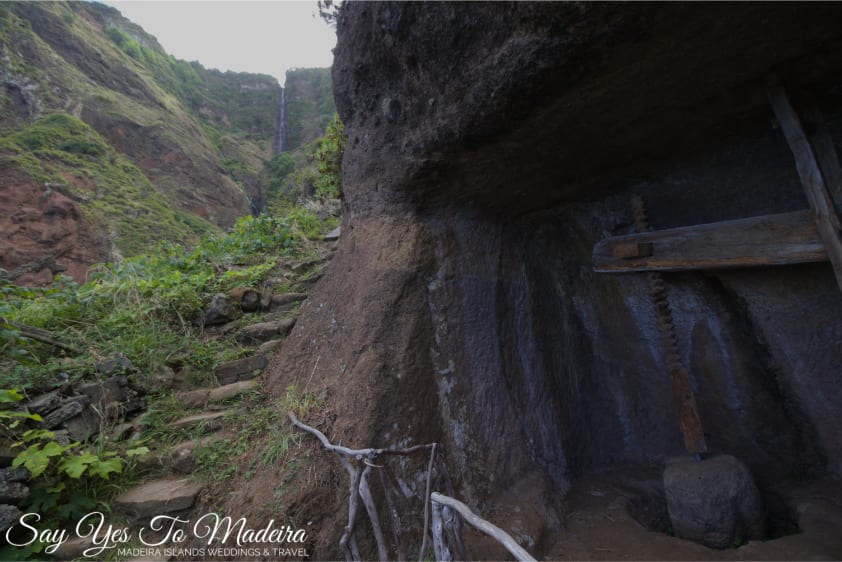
x,y
824,213
758,241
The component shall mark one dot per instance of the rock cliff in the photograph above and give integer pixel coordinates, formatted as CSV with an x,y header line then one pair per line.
x,y
490,146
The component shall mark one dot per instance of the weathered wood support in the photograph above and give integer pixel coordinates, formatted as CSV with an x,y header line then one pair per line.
x,y
827,221
780,239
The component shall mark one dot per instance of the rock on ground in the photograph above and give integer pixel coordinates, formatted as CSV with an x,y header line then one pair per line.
x,y
220,310
8,516
12,492
158,497
264,331
713,501
202,396
239,369
209,420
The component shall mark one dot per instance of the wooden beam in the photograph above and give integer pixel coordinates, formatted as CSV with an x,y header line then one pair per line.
x,y
758,241
828,224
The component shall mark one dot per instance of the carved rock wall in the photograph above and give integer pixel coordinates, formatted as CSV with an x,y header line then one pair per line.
x,y
490,146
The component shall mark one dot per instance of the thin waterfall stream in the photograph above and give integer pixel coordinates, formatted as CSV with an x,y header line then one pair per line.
x,y
281,135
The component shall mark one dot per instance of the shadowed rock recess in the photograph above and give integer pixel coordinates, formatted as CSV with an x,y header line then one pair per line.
x,y
490,146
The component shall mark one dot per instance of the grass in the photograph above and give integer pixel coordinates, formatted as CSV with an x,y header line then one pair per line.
x,y
261,433
63,152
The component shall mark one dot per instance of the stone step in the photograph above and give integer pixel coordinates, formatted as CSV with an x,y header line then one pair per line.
x,y
158,497
182,456
240,369
208,421
333,235
263,331
202,396
269,347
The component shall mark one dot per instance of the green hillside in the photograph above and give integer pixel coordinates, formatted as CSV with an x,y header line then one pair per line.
x,y
146,146
310,106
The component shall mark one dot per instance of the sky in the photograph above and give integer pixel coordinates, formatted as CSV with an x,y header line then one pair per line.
x,y
266,37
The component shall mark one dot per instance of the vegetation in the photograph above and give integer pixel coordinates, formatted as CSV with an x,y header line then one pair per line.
x,y
64,153
265,425
69,479
142,309
308,172
329,155
310,105
91,87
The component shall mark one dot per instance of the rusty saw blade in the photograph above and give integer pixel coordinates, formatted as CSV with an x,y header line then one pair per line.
x,y
682,390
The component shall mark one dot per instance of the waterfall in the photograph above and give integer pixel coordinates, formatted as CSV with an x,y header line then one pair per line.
x,y
281,134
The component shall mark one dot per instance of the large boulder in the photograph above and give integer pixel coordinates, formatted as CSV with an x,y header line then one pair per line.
x,y
713,501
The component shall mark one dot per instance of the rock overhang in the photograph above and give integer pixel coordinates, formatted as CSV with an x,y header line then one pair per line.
x,y
521,106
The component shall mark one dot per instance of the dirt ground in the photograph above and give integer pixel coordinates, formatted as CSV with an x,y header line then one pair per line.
x,y
598,525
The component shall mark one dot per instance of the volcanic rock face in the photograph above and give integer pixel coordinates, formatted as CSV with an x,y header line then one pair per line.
x,y
38,221
490,146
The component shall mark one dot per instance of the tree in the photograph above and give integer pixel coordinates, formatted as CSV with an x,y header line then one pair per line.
x,y
329,11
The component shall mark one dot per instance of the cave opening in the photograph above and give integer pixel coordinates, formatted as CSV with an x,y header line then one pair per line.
x,y
577,371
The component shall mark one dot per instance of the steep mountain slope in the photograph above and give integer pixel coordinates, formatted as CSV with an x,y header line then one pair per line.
x,y
133,144
310,106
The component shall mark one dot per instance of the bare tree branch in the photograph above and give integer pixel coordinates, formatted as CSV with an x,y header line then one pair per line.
x,y
368,502
357,454
453,532
443,553
393,512
489,529
352,459
40,335
427,504
452,522
352,515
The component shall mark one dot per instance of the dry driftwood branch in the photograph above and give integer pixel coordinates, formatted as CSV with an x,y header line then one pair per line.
x,y
368,502
352,515
452,522
427,504
443,553
359,489
385,475
357,454
453,532
489,529
40,335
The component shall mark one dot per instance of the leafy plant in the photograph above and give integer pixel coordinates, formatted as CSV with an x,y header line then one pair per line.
x,y
64,476
11,419
329,155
